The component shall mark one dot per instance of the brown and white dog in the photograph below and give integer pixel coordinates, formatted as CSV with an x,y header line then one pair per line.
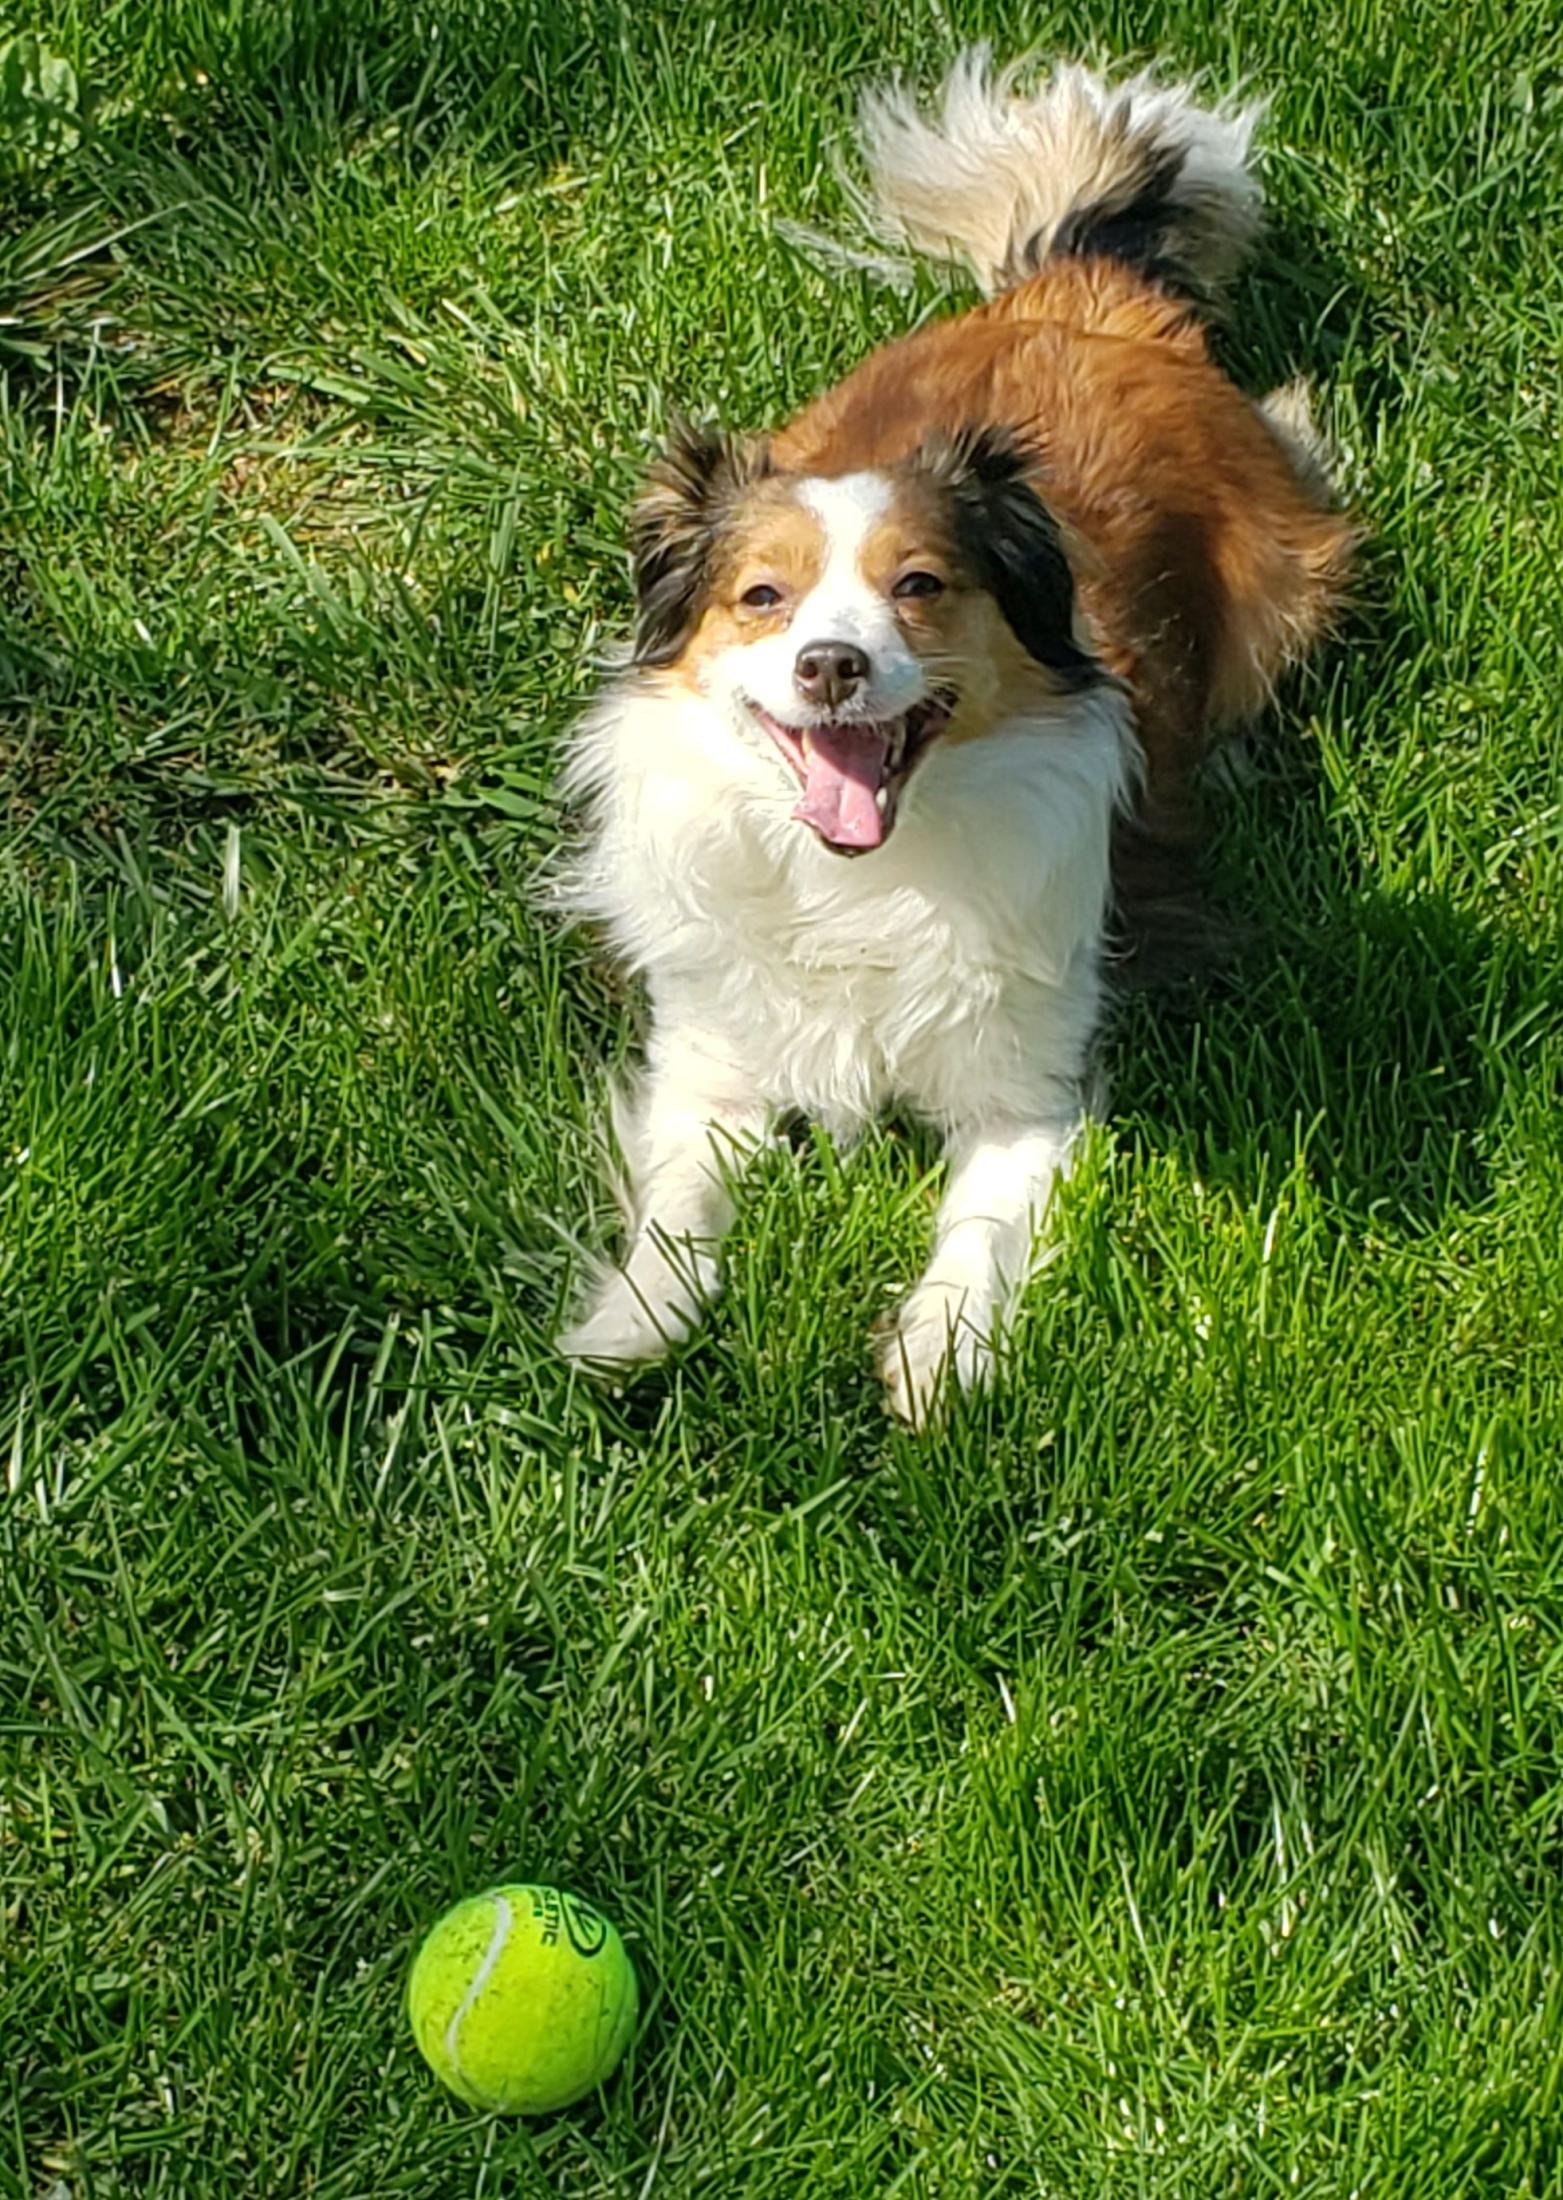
x,y
971,620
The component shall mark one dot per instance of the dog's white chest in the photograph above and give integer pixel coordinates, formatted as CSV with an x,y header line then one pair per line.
x,y
844,1001
950,970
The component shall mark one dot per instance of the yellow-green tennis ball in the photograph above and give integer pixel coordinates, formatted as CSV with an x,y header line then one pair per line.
x,y
522,1999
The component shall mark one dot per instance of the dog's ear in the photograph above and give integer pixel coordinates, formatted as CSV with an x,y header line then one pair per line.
x,y
1011,541
674,525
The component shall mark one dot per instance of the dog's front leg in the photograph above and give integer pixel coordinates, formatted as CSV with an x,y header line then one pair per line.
x,y
684,1138
1002,1179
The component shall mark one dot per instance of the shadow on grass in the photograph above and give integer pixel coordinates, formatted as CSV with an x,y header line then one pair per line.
x,y
184,172
1367,1025
1374,1041
1297,309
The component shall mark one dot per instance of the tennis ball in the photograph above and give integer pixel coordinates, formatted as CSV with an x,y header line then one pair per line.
x,y
522,1999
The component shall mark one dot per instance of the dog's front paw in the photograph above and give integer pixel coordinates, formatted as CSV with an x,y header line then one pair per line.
x,y
624,1325
931,1343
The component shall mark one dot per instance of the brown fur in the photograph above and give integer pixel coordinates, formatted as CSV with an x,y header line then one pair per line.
x,y
1205,558
769,537
960,635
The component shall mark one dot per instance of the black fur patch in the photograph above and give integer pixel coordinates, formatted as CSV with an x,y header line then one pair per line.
x,y
1138,221
1011,540
674,527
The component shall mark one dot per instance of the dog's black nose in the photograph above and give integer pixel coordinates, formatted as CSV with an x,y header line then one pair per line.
x,y
828,672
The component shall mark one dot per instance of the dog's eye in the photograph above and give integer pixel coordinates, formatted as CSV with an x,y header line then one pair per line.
x,y
918,584
761,597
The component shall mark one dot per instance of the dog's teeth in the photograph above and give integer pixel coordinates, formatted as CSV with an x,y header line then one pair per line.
x,y
882,800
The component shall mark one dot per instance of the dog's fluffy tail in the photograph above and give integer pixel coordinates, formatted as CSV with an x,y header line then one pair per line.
x,y
1005,178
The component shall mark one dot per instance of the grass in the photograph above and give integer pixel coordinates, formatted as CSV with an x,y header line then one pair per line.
x,y
1150,1784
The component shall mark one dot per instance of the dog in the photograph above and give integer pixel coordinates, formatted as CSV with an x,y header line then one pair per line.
x,y
922,681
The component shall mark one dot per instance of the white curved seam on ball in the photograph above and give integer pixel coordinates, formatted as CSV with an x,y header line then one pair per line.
x,y
480,1978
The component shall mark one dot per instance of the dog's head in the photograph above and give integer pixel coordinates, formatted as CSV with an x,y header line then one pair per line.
x,y
846,623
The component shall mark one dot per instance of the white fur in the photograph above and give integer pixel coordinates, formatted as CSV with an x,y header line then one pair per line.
x,y
953,970
1291,416
993,167
1001,1185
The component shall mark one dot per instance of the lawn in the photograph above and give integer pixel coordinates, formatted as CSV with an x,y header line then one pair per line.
x,y
1149,1783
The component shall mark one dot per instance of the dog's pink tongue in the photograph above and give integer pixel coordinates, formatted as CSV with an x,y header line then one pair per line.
x,y
845,767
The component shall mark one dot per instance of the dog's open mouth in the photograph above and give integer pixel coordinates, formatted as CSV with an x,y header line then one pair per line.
x,y
853,771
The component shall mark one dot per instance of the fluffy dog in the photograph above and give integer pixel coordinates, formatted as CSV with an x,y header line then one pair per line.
x,y
922,678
